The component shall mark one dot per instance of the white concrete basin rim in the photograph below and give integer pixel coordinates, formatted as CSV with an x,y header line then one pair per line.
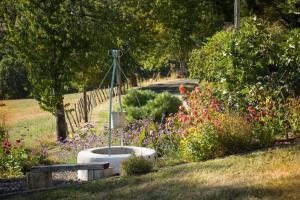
x,y
115,159
138,151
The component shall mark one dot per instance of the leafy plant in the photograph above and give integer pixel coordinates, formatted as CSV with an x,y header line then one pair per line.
x,y
163,105
137,98
201,144
256,56
135,165
15,160
141,104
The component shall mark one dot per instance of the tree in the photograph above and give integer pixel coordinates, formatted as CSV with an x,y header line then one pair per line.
x,y
171,28
52,37
14,81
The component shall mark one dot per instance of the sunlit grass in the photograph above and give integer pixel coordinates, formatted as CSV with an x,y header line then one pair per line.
x,y
270,174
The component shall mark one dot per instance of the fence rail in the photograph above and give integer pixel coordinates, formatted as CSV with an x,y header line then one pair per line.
x,y
75,113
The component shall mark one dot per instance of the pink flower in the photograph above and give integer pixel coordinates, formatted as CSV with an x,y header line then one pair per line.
x,y
217,123
5,143
215,105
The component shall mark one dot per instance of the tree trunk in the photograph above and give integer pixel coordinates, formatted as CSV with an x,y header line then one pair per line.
x,y
61,128
85,109
133,79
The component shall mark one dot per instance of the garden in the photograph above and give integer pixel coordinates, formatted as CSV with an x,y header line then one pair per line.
x,y
230,129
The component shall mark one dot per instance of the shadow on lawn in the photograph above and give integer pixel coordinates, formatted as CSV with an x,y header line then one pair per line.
x,y
165,186
146,189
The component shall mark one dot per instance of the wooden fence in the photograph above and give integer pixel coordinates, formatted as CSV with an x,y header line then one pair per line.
x,y
75,113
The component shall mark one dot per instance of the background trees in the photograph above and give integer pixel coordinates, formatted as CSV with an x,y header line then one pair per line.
x,y
65,43
55,40
14,81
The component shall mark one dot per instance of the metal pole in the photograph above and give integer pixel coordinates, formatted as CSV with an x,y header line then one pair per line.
x,y
119,82
237,4
114,54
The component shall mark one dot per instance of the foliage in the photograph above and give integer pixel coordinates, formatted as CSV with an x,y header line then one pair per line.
x,y
284,11
14,81
208,129
203,128
148,133
15,160
293,108
200,145
55,40
136,165
141,104
257,56
137,98
168,29
235,134
163,105
84,138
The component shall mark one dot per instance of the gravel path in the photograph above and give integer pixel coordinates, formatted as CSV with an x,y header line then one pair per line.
x,y
20,184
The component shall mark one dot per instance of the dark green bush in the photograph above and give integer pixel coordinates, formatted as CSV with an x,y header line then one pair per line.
x,y
164,103
137,98
141,104
258,53
135,165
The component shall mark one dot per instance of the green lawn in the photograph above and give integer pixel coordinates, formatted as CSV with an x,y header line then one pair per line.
x,y
26,120
270,174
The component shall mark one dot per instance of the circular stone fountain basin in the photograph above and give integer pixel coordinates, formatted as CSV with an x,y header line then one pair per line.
x,y
118,154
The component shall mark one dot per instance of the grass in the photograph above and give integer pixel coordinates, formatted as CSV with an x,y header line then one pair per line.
x,y
25,119
271,174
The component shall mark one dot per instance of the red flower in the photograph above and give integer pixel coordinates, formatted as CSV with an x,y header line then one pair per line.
x,y
7,151
209,117
5,143
251,109
194,113
182,89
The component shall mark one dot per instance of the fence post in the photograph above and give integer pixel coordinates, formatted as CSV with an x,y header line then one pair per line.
x,y
69,121
76,114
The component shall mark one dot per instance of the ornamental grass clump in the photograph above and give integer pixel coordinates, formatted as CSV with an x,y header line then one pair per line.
x,y
136,165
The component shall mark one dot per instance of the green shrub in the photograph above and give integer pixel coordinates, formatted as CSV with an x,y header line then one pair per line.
x,y
256,56
201,145
137,98
164,103
135,165
141,104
